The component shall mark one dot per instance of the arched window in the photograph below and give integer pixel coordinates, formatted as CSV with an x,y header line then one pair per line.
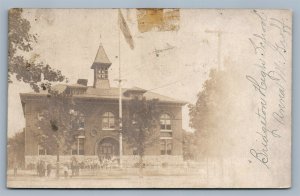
x,y
108,120
165,122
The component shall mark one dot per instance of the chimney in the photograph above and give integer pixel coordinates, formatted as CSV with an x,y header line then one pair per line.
x,y
82,82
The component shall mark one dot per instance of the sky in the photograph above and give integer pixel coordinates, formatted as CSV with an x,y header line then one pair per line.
x,y
68,40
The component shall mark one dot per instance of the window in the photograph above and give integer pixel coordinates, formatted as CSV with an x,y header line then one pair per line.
x,y
78,146
165,127
81,123
81,146
41,150
74,148
40,116
108,120
135,151
169,147
165,146
77,120
165,122
165,135
162,147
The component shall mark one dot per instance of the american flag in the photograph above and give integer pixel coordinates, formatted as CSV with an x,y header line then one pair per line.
x,y
125,30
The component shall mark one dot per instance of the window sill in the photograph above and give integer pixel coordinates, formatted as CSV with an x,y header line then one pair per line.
x,y
108,129
165,138
166,130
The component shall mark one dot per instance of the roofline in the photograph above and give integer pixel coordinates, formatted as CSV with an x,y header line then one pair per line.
x,y
112,98
100,64
77,86
23,95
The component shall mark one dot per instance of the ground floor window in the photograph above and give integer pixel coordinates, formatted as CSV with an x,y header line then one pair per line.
x,y
135,151
165,146
41,150
78,146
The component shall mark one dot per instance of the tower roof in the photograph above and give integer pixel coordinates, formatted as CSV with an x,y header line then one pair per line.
x,y
101,58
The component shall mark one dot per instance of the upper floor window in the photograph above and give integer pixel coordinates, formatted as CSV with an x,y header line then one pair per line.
x,y
77,120
81,122
165,122
108,120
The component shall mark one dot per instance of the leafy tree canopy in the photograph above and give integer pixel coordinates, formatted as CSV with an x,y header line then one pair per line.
x,y
140,125
209,115
37,75
59,122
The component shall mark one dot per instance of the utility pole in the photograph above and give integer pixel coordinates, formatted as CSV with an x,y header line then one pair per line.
x,y
120,117
125,30
120,123
219,34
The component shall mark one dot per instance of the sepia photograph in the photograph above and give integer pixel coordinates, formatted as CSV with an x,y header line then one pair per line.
x,y
149,98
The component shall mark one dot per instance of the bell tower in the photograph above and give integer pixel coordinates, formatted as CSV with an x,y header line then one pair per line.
x,y
100,66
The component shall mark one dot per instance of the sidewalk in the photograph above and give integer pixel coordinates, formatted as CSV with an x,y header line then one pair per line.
x,y
106,182
117,172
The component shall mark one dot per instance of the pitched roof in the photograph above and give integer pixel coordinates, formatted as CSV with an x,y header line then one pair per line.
x,y
111,94
101,58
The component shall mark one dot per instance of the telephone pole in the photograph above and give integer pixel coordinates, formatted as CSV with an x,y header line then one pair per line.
x,y
219,34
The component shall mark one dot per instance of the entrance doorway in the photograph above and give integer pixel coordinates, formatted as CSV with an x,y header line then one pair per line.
x,y
108,148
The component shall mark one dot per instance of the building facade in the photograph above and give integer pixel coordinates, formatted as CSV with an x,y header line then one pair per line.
x,y
97,134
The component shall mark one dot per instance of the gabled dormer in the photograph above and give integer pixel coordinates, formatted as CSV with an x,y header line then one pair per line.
x,y
134,92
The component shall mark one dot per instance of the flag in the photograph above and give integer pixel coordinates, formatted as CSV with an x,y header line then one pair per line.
x,y
125,30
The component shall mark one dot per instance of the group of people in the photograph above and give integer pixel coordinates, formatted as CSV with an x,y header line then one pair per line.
x,y
43,169
103,162
108,162
72,168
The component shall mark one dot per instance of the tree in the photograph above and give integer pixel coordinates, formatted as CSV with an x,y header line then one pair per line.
x,y
16,150
141,125
208,113
58,124
21,40
189,145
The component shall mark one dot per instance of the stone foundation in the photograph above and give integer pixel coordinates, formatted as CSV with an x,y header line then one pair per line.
x,y
127,160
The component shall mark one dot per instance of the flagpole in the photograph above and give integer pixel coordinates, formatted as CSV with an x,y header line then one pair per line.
x,y
120,102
